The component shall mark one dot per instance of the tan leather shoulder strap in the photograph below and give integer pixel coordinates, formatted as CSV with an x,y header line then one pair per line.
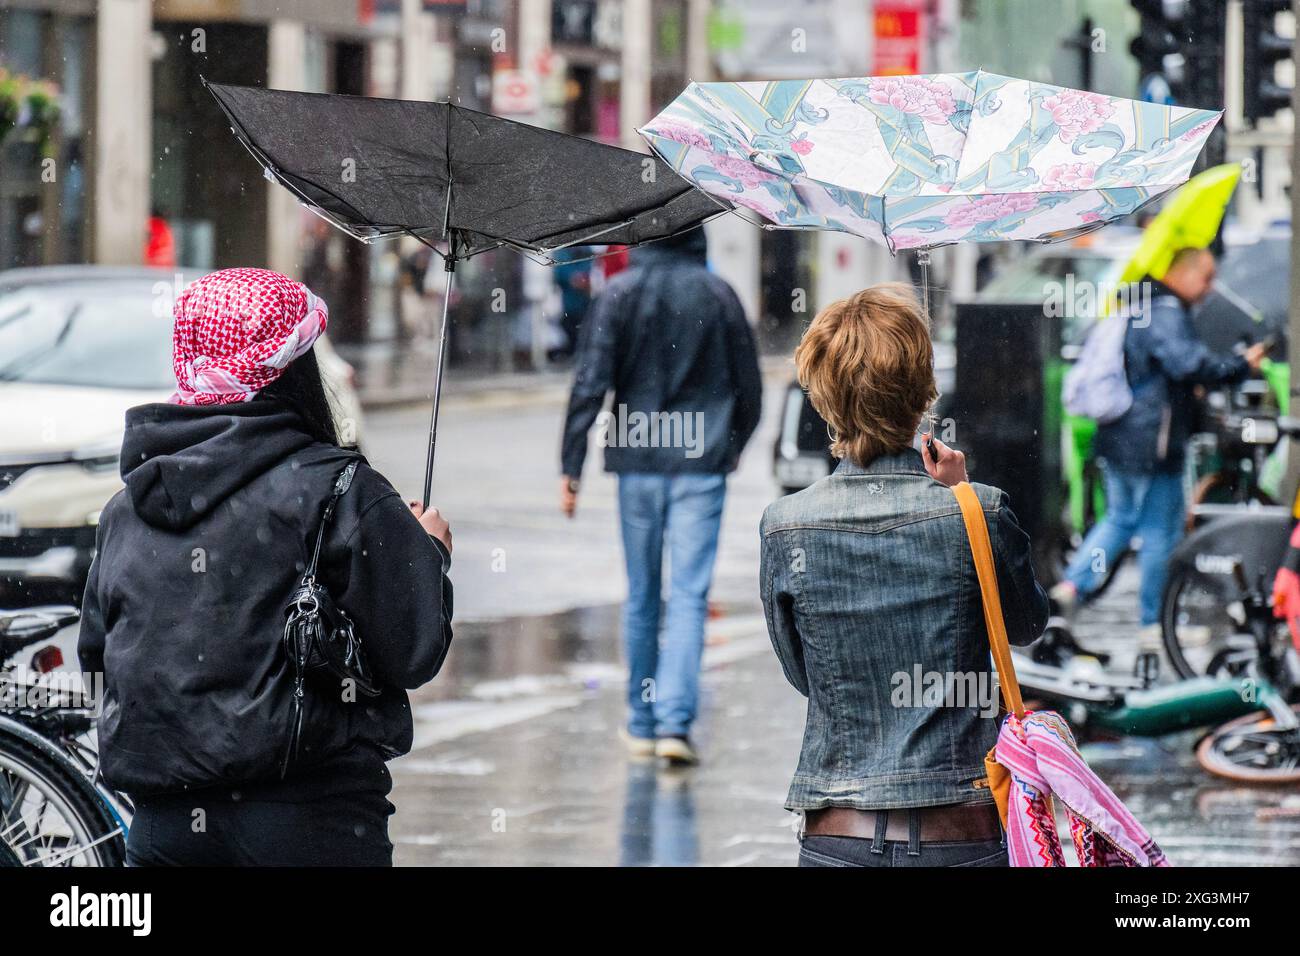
x,y
977,532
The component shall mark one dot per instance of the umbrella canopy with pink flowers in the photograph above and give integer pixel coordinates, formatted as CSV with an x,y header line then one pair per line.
x,y
921,161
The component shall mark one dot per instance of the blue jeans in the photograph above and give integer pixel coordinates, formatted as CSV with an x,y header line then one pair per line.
x,y
680,515
823,851
1149,506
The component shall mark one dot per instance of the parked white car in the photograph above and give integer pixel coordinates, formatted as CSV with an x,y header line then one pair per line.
x,y
79,345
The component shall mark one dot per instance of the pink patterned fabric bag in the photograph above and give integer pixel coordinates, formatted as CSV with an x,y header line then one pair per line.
x,y
1036,758
1045,764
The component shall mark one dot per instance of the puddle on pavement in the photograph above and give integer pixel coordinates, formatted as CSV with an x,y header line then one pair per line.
x,y
497,659
514,655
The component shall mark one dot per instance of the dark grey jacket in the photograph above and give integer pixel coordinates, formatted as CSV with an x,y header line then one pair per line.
x,y
670,340
1164,361
870,589
184,607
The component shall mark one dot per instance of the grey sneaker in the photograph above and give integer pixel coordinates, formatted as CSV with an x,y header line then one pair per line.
x,y
1065,597
639,747
677,750
1151,639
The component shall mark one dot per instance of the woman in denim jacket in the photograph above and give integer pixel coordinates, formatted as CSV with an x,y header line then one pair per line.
x,y
874,608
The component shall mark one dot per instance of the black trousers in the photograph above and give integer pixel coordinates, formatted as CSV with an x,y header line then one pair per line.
x,y
200,829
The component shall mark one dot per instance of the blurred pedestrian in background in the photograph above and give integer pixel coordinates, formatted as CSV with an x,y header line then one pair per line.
x,y
1142,451
159,243
573,273
419,310
671,341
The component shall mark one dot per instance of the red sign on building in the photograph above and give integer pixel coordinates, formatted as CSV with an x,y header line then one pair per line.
x,y
899,34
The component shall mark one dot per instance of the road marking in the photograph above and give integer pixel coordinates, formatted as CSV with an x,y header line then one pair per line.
x,y
448,720
448,767
421,839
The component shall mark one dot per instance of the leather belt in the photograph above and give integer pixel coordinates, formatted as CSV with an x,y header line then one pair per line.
x,y
951,824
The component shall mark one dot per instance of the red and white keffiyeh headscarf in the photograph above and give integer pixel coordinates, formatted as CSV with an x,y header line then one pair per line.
x,y
237,330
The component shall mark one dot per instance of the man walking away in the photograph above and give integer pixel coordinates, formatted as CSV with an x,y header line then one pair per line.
x,y
1142,451
670,340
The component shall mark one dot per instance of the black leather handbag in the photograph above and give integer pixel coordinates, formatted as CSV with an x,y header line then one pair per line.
x,y
319,638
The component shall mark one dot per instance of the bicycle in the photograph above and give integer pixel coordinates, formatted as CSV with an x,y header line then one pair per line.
x,y
53,809
1221,572
1255,735
1230,456
1217,621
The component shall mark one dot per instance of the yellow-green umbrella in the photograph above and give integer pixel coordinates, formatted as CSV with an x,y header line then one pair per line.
x,y
1191,218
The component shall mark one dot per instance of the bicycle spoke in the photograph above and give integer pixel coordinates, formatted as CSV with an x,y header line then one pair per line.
x,y
79,849
45,820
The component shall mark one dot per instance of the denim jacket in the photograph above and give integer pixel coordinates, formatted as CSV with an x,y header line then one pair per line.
x,y
873,607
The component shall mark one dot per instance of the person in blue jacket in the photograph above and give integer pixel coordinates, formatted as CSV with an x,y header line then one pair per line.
x,y
1142,452
670,340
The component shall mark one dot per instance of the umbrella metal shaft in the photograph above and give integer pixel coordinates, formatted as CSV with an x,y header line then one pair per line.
x,y
923,257
437,385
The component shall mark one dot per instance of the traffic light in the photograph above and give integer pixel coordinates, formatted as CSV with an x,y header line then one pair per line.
x,y
1179,49
1201,43
1155,39
1263,49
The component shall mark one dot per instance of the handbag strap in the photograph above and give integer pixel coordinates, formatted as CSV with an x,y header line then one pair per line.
x,y
977,532
341,484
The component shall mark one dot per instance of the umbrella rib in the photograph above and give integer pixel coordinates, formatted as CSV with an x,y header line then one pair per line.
x,y
446,158
259,155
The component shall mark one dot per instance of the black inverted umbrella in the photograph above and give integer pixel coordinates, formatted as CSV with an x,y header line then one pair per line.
x,y
377,168
1251,295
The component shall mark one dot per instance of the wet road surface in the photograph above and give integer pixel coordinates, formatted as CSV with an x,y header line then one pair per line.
x,y
522,766
516,758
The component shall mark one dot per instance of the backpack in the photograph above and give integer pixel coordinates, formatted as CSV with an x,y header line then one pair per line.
x,y
1097,386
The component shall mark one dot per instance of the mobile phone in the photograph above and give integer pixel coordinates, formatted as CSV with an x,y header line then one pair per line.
x,y
1267,341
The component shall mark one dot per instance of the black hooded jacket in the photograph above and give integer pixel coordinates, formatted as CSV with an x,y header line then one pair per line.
x,y
184,607
670,340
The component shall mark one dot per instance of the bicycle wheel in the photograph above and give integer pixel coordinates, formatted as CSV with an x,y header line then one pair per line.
x,y
1252,749
1211,612
47,817
1200,616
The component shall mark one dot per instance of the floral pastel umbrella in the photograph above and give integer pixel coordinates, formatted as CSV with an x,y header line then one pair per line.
x,y
920,161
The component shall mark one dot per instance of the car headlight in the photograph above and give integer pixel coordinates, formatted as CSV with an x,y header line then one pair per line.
x,y
102,456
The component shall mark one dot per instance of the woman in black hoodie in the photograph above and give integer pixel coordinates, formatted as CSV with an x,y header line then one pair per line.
x,y
184,608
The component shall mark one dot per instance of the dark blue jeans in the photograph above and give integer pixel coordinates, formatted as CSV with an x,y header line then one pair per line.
x,y
678,516
854,851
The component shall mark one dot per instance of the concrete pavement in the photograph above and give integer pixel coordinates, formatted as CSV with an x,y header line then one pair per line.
x,y
519,764
528,770
516,758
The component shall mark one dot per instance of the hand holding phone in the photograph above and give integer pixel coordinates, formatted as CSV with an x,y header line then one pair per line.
x,y
943,464
1255,354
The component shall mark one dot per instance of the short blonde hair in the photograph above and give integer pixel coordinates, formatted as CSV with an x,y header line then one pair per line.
x,y
867,363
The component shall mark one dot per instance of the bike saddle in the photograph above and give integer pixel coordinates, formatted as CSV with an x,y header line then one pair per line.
x,y
22,628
